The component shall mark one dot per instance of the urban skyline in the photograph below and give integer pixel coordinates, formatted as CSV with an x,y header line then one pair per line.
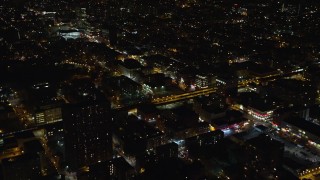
x,y
170,89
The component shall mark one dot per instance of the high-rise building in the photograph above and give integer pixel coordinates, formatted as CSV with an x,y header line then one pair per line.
x,y
87,133
263,157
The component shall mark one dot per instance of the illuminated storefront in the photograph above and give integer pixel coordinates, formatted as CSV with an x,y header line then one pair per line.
x,y
264,116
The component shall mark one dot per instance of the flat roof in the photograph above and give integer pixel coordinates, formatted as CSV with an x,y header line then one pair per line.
x,y
304,125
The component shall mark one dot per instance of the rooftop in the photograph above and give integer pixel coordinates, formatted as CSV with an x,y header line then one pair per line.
x,y
264,141
304,125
